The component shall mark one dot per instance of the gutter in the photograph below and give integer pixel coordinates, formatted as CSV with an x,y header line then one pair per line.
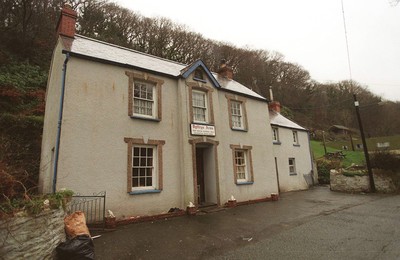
x,y
60,114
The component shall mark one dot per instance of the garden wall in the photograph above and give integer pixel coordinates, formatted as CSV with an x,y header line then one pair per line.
x,y
32,237
383,181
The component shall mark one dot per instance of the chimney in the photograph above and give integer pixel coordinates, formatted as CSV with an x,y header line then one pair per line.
x,y
225,70
275,106
66,22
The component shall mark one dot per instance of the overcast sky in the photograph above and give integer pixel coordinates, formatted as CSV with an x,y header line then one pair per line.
x,y
309,33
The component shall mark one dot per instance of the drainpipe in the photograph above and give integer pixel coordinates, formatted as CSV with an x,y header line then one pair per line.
x,y
60,114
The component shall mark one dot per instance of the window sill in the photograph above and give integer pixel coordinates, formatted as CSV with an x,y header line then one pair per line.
x,y
245,183
292,174
140,192
277,143
201,80
146,118
239,129
296,145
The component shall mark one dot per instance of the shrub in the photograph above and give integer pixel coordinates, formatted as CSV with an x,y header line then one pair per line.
x,y
33,205
385,160
324,166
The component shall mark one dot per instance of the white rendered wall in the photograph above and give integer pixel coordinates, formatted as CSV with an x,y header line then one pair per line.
x,y
53,93
93,155
301,153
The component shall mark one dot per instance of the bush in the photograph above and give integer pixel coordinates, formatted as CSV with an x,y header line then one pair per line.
x,y
324,167
385,160
20,142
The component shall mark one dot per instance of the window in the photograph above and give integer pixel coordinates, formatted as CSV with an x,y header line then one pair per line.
x,y
237,113
143,99
199,103
292,166
144,165
242,164
275,135
198,74
144,96
295,138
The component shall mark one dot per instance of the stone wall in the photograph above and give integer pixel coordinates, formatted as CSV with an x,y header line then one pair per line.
x,y
383,182
32,237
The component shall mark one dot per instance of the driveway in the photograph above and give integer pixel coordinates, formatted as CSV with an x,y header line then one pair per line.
x,y
312,224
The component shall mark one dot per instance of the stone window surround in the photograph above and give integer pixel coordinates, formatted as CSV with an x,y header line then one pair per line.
x,y
140,141
145,77
208,90
231,98
247,149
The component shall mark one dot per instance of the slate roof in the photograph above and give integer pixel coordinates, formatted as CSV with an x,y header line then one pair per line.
x,y
278,120
85,47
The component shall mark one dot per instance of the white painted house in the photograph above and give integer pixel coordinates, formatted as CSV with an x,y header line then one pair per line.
x,y
291,151
154,134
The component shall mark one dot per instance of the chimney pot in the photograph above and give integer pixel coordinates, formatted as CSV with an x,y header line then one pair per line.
x,y
66,22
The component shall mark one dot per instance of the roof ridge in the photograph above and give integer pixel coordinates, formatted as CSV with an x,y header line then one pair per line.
x,y
128,49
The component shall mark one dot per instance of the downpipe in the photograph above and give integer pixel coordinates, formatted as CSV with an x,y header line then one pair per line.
x,y
60,115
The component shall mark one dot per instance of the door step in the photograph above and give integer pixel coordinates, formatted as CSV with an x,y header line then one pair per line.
x,y
210,208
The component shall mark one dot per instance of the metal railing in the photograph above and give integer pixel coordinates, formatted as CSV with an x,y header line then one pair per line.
x,y
93,206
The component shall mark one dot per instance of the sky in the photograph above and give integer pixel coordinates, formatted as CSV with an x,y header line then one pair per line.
x,y
309,33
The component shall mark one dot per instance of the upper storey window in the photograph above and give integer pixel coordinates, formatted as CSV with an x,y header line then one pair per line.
x,y
199,103
143,99
144,96
237,113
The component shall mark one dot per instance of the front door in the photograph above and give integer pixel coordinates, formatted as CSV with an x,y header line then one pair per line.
x,y
200,176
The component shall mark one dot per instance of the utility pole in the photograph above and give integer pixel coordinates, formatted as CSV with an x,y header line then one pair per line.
x,y
371,176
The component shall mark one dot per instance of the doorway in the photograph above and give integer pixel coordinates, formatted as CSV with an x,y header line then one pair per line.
x,y
206,177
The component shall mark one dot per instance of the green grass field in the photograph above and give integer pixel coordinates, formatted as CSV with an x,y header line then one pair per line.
x,y
394,142
356,157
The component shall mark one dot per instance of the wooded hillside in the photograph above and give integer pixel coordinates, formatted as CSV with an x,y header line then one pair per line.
x,y
27,31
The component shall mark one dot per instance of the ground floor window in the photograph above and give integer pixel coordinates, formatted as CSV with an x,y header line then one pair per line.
x,y
292,166
143,167
144,164
242,164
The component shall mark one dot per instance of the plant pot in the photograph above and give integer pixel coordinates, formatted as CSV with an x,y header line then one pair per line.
x,y
191,211
274,196
111,222
231,203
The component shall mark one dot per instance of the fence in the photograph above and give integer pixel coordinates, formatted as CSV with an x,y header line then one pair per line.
x,y
94,207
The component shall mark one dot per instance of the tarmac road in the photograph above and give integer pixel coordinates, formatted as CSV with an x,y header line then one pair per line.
x,y
313,224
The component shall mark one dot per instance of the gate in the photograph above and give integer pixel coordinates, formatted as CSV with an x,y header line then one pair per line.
x,y
94,207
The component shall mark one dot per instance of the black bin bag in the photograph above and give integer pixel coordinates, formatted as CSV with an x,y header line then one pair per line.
x,y
78,248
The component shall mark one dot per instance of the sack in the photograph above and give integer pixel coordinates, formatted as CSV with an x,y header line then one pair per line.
x,y
75,225
79,248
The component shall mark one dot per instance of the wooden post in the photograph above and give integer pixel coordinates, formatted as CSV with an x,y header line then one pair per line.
x,y
323,140
351,142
